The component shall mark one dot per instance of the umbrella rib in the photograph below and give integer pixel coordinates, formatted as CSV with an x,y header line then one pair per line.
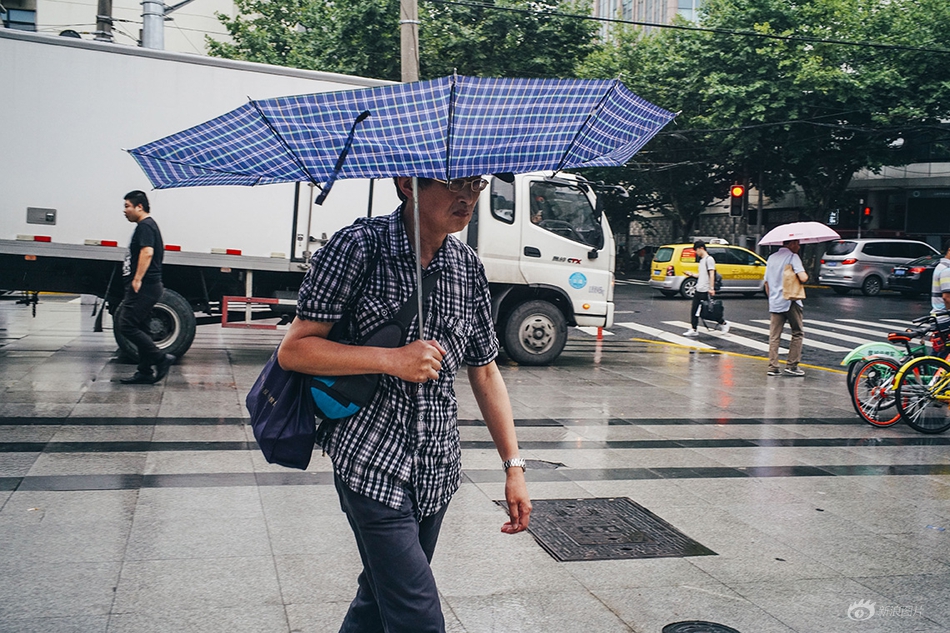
x,y
451,121
190,166
290,152
593,112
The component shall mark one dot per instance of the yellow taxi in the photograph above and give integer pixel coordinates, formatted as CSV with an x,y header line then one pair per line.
x,y
741,269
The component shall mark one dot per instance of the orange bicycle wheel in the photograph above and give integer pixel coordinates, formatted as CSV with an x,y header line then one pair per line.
x,y
872,393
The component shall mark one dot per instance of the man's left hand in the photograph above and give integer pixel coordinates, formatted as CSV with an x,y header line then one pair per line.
x,y
519,505
136,285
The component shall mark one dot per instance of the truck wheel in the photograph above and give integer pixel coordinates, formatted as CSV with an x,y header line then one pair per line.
x,y
535,333
171,324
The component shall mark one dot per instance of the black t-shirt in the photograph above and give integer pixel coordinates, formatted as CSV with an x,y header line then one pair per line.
x,y
146,234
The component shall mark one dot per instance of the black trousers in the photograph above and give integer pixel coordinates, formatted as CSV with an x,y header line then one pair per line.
x,y
694,311
133,320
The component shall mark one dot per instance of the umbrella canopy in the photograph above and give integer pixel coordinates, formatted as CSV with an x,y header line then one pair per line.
x,y
804,232
452,127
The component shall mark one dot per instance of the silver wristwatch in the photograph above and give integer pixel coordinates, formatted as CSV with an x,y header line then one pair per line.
x,y
515,461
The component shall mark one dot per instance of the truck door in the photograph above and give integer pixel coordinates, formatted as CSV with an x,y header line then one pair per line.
x,y
563,245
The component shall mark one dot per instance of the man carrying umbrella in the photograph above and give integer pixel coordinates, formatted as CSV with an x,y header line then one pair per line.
x,y
397,461
782,310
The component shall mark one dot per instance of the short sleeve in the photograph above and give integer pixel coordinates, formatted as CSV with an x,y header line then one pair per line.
x,y
796,263
711,264
148,236
944,279
482,347
335,271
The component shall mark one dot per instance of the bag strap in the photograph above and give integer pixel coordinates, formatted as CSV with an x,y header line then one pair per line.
x,y
408,309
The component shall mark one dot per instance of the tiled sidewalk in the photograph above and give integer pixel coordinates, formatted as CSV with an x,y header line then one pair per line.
x,y
149,508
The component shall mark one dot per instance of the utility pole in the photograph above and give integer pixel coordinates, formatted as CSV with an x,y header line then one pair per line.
x,y
104,21
409,39
153,24
758,214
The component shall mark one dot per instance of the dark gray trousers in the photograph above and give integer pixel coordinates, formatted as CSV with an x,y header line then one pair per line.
x,y
133,320
397,592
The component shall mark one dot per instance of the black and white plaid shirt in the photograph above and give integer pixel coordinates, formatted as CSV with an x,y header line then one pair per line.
x,y
407,437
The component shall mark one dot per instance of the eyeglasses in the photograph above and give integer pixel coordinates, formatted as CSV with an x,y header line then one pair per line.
x,y
457,184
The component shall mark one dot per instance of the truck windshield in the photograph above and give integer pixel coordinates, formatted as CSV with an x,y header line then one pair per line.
x,y
565,209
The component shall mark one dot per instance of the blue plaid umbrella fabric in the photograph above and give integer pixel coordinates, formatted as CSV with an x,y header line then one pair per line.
x,y
452,127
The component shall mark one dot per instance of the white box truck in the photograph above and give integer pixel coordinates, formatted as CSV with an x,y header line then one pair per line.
x,y
70,106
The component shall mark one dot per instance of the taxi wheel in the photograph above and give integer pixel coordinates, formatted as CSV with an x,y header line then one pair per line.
x,y
688,288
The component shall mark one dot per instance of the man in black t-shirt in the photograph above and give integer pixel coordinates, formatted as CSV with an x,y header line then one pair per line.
x,y
142,274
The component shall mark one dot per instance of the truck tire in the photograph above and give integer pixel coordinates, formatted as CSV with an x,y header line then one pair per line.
x,y
171,323
535,333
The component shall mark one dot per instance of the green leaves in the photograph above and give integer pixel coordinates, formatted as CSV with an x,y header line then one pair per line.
x,y
361,37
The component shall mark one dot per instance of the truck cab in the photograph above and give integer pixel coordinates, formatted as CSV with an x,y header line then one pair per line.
x,y
549,256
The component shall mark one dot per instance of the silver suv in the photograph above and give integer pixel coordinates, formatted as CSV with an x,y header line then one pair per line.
x,y
866,263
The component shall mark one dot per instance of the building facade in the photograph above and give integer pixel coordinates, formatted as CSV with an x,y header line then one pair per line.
x,y
185,28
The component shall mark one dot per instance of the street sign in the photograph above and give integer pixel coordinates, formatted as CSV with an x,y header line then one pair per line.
x,y
833,218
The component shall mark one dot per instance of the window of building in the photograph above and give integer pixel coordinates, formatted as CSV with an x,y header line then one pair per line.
x,y
689,9
19,19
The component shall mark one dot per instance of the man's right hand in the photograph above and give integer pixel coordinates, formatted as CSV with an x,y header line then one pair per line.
x,y
419,361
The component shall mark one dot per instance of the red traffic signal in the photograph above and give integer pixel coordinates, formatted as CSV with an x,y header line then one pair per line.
x,y
867,212
737,200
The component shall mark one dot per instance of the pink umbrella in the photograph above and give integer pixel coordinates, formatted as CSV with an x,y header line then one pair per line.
x,y
804,232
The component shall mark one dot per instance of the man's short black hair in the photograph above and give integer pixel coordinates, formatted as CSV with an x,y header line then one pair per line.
x,y
946,245
423,183
699,244
137,198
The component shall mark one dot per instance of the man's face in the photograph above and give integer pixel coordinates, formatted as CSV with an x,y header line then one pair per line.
x,y
133,213
441,210
793,246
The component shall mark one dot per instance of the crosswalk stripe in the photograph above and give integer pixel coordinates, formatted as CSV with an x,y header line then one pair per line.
x,y
841,326
589,329
733,338
868,323
807,341
665,336
810,331
632,282
903,322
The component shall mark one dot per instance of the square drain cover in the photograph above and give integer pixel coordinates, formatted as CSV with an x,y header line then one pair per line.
x,y
606,529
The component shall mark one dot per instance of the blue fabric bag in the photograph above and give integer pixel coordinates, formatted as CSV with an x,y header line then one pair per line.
x,y
282,415
338,397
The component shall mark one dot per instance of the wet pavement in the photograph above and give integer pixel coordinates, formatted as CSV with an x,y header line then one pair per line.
x,y
149,508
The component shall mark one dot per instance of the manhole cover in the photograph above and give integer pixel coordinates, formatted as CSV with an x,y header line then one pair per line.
x,y
697,626
606,529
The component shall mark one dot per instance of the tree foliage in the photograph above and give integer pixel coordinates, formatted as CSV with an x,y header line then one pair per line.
x,y
774,111
362,37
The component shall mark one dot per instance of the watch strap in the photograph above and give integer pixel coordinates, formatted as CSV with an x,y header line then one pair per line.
x,y
515,461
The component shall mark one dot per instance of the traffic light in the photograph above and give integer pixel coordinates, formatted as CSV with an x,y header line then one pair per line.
x,y
737,200
866,216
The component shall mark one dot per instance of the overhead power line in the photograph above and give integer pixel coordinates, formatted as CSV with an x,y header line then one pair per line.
x,y
680,27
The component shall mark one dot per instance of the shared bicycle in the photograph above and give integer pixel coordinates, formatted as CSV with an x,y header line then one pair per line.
x,y
887,384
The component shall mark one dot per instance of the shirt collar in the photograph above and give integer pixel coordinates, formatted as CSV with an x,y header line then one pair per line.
x,y
401,247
